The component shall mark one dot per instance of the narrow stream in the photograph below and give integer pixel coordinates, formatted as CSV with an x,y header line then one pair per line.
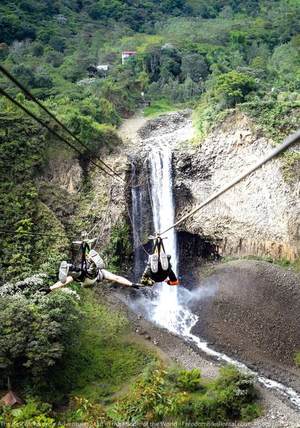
x,y
165,308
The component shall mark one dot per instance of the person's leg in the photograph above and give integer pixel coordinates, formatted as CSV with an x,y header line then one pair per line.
x,y
67,274
172,278
68,269
116,278
63,271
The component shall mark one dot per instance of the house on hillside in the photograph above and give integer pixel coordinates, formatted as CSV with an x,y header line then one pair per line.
x,y
11,399
103,67
126,55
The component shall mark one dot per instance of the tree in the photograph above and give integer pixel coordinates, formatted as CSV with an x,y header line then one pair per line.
x,y
23,73
34,329
195,66
233,87
285,61
170,63
57,43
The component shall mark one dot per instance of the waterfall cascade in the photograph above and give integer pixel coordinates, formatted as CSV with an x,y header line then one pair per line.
x,y
166,311
137,204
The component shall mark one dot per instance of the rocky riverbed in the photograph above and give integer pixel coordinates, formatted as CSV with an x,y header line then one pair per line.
x,y
253,315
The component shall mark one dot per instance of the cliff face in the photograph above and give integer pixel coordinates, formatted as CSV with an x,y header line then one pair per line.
x,y
261,215
82,198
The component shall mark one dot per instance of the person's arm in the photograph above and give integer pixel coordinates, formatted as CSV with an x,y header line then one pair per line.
x,y
146,278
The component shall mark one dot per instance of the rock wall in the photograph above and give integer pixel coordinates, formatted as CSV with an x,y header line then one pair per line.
x,y
261,215
82,197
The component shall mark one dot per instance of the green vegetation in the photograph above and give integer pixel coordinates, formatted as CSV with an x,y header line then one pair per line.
x,y
33,413
26,219
297,359
284,263
158,395
119,248
102,360
66,347
158,107
183,396
35,330
65,344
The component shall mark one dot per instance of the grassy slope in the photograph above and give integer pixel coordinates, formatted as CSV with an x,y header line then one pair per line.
x,y
104,361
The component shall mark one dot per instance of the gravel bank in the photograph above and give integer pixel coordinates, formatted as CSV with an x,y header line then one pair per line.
x,y
253,316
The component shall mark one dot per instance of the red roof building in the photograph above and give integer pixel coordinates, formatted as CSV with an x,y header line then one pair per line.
x,y
126,55
11,399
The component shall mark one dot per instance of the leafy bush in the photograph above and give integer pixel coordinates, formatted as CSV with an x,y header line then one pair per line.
x,y
119,249
250,412
158,396
189,380
233,87
33,414
35,329
82,410
277,118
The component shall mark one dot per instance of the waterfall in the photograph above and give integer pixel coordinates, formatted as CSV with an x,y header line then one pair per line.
x,y
136,196
163,208
162,198
138,213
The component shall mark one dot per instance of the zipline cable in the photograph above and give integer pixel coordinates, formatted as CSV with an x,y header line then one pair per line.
x,y
34,99
291,139
43,124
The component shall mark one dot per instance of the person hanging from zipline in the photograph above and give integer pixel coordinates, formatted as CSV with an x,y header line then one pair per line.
x,y
89,271
159,266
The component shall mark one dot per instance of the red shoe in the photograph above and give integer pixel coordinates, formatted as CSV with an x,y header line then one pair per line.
x,y
172,282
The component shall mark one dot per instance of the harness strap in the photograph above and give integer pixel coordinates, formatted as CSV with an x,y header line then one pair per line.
x,y
159,245
84,249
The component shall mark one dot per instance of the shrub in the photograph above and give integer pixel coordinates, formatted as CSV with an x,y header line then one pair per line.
x,y
189,380
84,411
297,358
233,87
35,329
32,414
234,390
250,412
119,248
155,397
